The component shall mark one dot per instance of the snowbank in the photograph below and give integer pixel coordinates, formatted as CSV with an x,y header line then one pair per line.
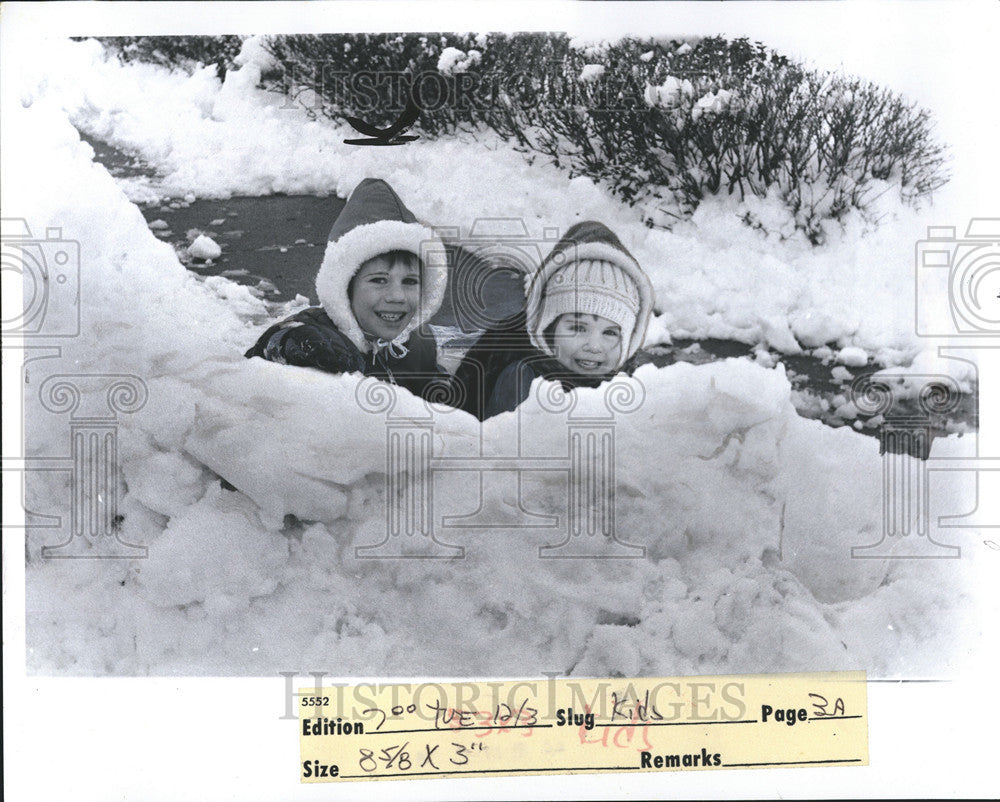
x,y
746,511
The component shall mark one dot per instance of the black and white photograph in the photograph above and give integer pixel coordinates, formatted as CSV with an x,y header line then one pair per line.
x,y
578,340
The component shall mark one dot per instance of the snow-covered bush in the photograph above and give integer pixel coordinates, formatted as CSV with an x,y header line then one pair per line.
x,y
453,60
663,131
661,123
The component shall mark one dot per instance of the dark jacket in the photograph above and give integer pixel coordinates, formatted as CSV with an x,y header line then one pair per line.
x,y
496,373
309,339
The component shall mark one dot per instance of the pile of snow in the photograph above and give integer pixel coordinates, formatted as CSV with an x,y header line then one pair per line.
x,y
852,357
590,47
592,72
668,94
204,247
254,53
712,103
746,511
453,61
672,92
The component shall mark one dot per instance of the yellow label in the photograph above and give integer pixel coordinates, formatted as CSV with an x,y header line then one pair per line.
x,y
569,726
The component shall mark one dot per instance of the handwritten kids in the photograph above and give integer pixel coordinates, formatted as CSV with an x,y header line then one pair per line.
x,y
375,294
586,314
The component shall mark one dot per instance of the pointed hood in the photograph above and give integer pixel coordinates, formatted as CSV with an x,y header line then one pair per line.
x,y
603,278
375,221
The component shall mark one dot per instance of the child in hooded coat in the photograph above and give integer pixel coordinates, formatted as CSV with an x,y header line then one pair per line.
x,y
375,294
587,309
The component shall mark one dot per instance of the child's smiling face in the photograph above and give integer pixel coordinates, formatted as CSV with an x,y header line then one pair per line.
x,y
385,294
587,344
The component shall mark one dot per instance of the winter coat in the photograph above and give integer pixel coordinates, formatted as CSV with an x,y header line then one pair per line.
x,y
328,337
496,373
309,339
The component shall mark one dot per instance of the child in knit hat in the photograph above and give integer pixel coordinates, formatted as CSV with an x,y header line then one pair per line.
x,y
588,306
375,294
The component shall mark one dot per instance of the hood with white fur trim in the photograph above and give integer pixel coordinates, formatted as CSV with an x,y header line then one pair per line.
x,y
375,221
589,240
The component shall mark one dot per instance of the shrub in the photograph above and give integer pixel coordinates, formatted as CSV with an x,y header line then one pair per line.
x,y
186,52
661,123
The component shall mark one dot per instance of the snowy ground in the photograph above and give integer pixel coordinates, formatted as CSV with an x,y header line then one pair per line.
x,y
747,511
